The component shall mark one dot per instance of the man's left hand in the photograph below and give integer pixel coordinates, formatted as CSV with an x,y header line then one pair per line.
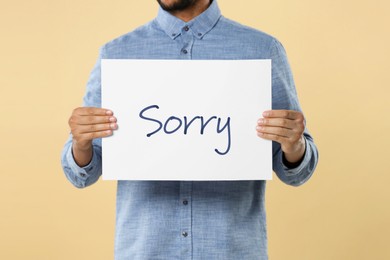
x,y
285,127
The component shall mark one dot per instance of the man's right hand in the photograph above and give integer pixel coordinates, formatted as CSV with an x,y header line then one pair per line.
x,y
86,124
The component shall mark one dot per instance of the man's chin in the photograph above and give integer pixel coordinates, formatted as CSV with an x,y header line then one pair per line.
x,y
175,5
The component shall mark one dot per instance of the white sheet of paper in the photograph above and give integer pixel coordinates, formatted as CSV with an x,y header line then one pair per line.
x,y
186,89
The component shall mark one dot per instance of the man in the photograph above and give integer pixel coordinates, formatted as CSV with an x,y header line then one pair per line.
x,y
199,219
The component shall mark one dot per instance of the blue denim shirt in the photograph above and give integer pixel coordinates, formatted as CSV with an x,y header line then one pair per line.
x,y
194,219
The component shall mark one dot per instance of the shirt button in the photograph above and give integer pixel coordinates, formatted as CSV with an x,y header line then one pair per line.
x,y
173,34
185,51
82,174
184,234
186,28
185,202
199,34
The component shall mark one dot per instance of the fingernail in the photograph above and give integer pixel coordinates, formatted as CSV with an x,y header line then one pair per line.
x,y
109,112
112,119
266,113
258,127
260,121
113,126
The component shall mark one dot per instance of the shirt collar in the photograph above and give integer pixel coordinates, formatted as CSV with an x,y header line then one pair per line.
x,y
200,25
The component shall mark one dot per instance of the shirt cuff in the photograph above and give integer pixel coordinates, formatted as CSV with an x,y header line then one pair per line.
x,y
296,170
81,172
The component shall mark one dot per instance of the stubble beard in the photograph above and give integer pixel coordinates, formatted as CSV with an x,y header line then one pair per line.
x,y
179,5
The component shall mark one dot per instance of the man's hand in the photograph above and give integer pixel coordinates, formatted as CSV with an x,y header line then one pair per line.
x,y
285,127
86,124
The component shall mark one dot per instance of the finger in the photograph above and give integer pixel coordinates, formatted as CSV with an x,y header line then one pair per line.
x,y
284,132
82,129
93,111
279,122
272,137
91,120
289,114
94,135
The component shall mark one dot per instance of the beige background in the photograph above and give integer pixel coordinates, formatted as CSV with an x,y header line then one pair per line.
x,y
338,51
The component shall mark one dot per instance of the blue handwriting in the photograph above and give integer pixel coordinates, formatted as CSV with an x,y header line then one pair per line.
x,y
169,127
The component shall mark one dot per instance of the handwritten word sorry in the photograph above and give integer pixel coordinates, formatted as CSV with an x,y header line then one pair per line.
x,y
173,124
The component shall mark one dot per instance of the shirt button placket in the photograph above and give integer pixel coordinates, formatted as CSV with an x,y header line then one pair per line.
x,y
188,41
186,219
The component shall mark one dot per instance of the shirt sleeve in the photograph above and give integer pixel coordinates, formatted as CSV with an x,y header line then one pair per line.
x,y
82,177
284,96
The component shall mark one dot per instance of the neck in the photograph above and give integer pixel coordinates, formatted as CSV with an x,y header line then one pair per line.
x,y
192,11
